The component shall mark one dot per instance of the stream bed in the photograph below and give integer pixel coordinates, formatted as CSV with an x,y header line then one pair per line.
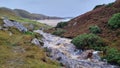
x,y
62,50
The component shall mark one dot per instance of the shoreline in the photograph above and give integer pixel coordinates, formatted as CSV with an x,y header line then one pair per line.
x,y
52,22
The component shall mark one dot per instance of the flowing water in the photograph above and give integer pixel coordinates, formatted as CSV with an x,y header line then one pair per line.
x,y
64,51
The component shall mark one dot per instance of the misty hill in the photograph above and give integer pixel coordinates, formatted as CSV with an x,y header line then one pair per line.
x,y
7,12
24,14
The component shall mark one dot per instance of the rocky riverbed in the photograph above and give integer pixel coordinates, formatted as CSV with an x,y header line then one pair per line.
x,y
64,51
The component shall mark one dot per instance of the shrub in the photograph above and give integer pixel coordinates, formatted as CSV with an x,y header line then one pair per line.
x,y
110,4
59,32
97,6
114,21
94,29
112,56
88,41
61,24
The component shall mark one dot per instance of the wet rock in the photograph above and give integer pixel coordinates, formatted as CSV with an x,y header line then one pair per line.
x,y
96,55
36,42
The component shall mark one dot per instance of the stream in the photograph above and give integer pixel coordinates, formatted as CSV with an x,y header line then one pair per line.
x,y
62,50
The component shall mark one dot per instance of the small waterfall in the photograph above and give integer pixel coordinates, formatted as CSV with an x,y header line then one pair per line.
x,y
64,51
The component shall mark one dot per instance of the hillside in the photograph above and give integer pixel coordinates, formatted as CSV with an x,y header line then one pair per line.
x,y
94,43
98,29
99,17
7,12
24,14
26,21
17,49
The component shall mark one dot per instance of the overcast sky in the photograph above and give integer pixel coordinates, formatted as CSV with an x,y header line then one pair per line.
x,y
62,8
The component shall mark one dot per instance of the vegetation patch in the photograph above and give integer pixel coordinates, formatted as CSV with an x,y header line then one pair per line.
x,y
114,21
27,22
61,24
97,6
89,41
17,51
1,22
95,29
59,32
110,4
112,55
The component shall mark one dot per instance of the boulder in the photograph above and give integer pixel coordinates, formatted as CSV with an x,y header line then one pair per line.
x,y
12,23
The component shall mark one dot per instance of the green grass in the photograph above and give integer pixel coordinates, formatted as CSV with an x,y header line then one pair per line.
x,y
59,32
17,51
6,12
26,22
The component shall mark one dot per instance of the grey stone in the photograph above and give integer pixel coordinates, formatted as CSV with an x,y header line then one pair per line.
x,y
19,26
35,41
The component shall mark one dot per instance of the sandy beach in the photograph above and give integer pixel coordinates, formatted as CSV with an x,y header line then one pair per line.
x,y
52,22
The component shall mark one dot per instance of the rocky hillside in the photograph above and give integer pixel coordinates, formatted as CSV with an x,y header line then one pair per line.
x,y
24,14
